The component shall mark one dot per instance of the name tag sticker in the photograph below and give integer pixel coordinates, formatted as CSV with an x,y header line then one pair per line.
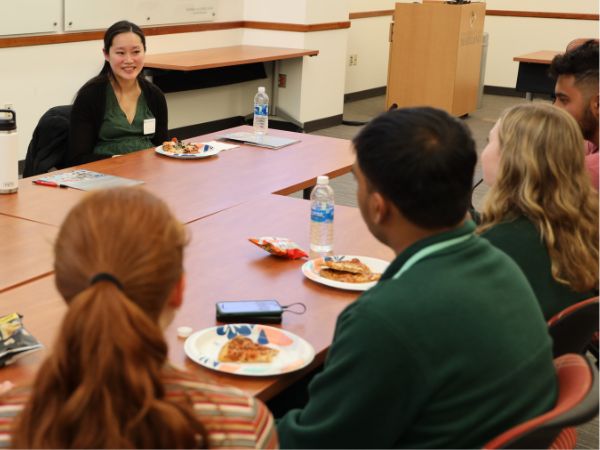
x,y
149,126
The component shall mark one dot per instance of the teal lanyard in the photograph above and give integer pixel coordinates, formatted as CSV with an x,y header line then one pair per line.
x,y
424,252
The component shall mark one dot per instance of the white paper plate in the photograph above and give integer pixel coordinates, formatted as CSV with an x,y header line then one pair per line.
x,y
207,151
311,269
295,353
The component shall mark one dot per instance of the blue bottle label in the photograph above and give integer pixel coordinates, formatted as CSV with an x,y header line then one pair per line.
x,y
261,110
321,215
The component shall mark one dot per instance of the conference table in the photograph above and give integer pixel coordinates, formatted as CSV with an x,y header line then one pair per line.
x,y
198,188
223,200
221,264
26,249
533,77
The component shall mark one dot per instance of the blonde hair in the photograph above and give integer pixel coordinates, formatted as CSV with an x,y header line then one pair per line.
x,y
101,386
542,176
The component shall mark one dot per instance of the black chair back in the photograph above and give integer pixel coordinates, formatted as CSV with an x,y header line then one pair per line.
x,y
573,329
49,143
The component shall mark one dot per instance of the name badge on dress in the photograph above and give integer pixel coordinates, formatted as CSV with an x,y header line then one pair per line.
x,y
149,126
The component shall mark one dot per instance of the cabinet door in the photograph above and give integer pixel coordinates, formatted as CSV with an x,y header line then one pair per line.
x,y
423,55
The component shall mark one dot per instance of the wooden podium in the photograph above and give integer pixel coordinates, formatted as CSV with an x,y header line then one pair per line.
x,y
435,56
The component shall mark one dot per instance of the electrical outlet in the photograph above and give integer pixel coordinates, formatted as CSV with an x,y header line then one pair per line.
x,y
282,83
6,106
353,60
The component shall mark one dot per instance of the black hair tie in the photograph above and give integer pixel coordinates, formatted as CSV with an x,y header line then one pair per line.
x,y
103,276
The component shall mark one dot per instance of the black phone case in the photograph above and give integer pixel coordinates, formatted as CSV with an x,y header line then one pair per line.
x,y
231,318
249,317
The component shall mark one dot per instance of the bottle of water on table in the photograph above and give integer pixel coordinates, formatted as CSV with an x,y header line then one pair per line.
x,y
321,216
261,112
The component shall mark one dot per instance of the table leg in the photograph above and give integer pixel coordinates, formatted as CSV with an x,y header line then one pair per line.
x,y
306,192
274,88
529,96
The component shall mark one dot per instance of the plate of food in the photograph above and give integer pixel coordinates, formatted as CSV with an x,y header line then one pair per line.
x,y
249,350
191,150
354,273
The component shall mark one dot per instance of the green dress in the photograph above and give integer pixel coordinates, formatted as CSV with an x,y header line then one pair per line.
x,y
117,136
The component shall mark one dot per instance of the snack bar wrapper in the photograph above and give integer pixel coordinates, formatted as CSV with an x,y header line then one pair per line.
x,y
15,340
279,247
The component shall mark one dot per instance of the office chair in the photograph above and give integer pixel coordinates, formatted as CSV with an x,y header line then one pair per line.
x,y
577,403
573,328
48,145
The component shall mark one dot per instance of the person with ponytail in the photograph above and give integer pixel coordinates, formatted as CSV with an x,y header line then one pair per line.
x,y
107,382
118,111
541,208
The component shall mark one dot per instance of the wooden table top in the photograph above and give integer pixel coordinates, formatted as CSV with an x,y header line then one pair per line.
x,y
26,249
540,57
222,265
197,188
222,57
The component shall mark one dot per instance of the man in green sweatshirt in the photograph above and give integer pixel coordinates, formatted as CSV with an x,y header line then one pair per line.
x,y
450,348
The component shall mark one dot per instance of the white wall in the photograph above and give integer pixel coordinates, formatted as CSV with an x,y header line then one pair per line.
x,y
508,37
514,36
315,86
368,39
36,78
39,77
569,6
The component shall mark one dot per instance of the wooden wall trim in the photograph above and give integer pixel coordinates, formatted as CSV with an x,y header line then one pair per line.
x,y
541,14
367,14
62,38
303,28
493,12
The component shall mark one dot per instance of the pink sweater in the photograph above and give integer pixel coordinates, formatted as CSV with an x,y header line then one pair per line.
x,y
591,161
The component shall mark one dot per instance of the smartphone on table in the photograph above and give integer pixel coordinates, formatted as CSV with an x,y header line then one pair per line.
x,y
261,311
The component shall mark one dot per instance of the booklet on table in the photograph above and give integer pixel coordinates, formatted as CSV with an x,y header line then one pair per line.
x,y
85,180
260,140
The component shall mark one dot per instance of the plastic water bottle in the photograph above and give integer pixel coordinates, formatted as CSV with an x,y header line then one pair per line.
x,y
321,216
9,152
261,112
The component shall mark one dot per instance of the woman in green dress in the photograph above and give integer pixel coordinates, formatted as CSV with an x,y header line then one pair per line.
x,y
118,111
541,208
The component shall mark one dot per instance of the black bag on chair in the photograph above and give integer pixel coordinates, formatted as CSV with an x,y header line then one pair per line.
x,y
49,142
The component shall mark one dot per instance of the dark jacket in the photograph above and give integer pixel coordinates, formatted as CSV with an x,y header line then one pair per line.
x,y
88,114
49,142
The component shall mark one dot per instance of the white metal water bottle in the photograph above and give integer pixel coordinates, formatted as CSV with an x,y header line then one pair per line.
x,y
321,216
9,152
261,112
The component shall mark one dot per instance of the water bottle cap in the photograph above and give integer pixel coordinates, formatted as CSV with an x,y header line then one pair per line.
x,y
8,123
322,179
261,89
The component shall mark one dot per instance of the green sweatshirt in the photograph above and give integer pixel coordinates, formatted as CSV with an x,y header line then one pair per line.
x,y
520,240
450,354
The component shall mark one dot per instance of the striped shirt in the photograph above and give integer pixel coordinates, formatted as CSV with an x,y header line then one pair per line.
x,y
231,418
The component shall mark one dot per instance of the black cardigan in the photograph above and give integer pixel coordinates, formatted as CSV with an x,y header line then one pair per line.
x,y
88,114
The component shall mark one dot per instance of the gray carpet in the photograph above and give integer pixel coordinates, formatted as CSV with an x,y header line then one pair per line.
x,y
480,123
